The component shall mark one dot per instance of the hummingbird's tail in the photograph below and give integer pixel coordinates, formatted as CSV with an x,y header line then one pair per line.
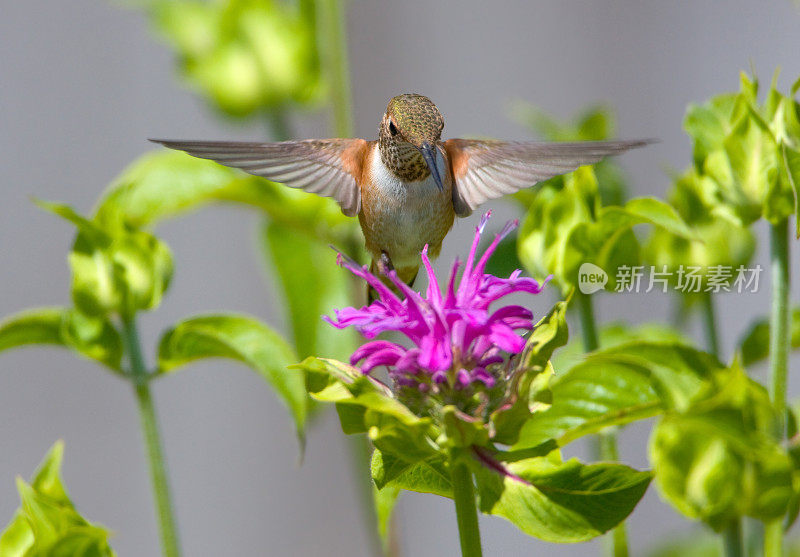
x,y
407,274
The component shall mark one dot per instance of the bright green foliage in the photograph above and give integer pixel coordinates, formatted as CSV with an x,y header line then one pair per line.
x,y
92,337
567,227
115,270
617,385
243,55
312,286
754,345
719,459
749,151
243,339
720,241
416,445
47,524
561,502
297,235
594,123
164,184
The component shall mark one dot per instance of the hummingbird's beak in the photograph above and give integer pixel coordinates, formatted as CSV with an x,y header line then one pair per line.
x,y
429,154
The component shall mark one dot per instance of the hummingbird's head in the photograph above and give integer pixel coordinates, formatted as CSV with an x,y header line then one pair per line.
x,y
408,135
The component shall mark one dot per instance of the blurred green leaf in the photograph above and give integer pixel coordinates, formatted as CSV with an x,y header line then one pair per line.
x,y
724,243
717,459
164,184
47,523
561,502
754,345
565,228
94,338
313,285
243,56
742,146
385,500
240,338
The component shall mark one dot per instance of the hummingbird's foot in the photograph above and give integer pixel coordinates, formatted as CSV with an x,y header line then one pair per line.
x,y
385,263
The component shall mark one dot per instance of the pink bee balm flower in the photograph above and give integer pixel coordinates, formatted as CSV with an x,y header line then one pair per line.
x,y
457,340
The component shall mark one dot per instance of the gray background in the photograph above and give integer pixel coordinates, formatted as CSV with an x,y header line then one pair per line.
x,y
83,83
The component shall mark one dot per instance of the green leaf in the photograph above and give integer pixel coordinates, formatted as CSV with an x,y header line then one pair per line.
x,y
313,285
114,268
754,345
532,376
678,373
91,337
426,476
718,459
366,404
656,212
561,502
243,339
385,500
613,334
47,523
589,397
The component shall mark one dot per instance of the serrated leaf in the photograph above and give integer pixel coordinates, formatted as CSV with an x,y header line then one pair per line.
x,y
244,339
566,502
427,476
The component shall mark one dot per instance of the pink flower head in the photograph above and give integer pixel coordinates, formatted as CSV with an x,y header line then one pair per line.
x,y
457,340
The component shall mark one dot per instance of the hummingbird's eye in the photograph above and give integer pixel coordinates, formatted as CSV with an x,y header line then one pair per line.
x,y
392,128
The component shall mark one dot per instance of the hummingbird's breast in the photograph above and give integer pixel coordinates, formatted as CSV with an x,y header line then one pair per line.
x,y
400,217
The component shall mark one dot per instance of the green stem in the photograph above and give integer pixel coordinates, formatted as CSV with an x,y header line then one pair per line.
x,y
732,540
732,544
606,449
779,321
773,538
466,511
147,414
334,60
588,324
710,324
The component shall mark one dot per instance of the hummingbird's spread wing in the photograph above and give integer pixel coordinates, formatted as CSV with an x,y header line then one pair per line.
x,y
327,167
487,169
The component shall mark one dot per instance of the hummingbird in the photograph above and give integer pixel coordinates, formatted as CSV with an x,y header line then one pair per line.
x,y
406,187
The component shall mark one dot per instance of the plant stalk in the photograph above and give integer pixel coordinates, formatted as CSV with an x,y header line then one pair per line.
x,y
773,538
778,354
779,319
606,449
466,511
335,61
158,474
732,545
710,324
